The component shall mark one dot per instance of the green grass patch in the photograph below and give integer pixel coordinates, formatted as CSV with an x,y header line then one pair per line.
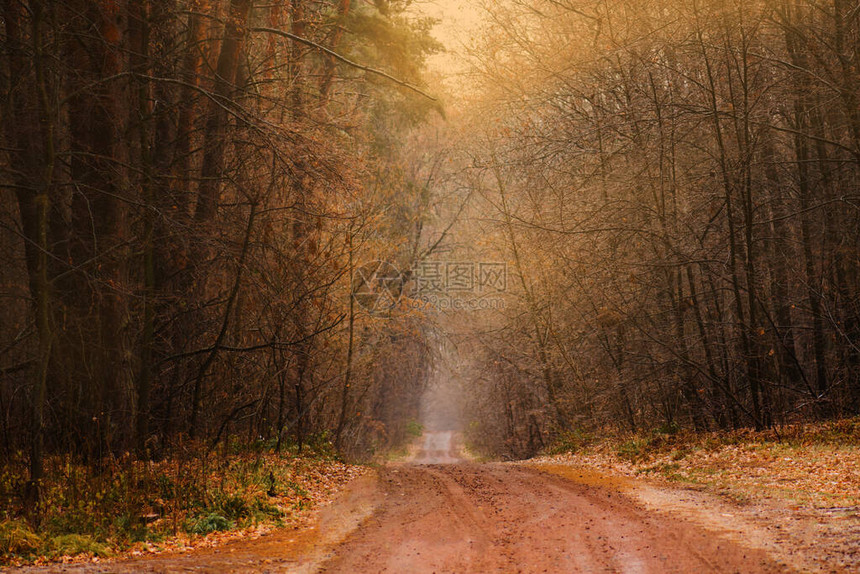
x,y
414,429
571,441
18,539
632,450
74,544
212,522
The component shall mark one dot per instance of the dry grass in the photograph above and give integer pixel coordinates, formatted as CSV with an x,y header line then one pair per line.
x,y
815,465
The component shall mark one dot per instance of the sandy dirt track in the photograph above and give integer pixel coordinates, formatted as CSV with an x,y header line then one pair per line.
x,y
501,518
442,514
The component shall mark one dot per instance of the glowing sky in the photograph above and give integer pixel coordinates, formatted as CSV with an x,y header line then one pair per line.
x,y
459,22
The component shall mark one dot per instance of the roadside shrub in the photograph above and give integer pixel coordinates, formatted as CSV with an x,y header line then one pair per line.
x,y
414,429
74,544
668,428
632,450
235,508
263,510
17,539
210,523
571,441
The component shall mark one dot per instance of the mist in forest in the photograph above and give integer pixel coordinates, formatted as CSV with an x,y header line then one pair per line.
x,y
441,403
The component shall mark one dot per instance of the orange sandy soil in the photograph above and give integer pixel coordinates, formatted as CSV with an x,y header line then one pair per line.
x,y
794,491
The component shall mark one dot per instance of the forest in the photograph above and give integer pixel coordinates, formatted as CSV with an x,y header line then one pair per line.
x,y
197,198
675,187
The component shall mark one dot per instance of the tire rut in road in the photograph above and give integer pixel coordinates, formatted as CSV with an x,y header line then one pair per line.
x,y
504,518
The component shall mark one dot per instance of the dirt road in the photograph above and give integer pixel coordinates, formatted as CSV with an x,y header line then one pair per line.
x,y
468,517
464,517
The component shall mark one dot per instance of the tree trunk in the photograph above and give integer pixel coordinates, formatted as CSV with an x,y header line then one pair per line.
x,y
214,144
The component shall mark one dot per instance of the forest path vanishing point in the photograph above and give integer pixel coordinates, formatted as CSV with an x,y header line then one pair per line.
x,y
438,512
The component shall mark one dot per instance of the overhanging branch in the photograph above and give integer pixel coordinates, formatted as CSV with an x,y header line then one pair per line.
x,y
343,59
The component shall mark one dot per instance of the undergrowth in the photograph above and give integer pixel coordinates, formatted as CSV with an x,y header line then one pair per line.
x,y
813,464
671,438
101,510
